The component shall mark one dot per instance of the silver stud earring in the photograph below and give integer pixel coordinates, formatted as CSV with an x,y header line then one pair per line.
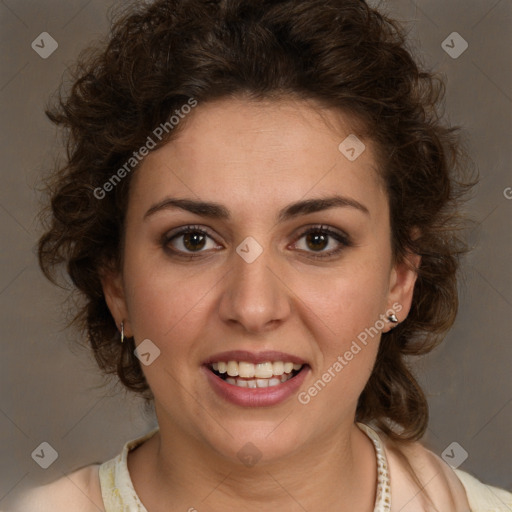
x,y
122,332
393,318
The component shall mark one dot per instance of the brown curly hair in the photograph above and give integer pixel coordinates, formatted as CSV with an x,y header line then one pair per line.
x,y
341,53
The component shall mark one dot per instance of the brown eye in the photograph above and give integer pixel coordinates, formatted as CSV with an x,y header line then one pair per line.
x,y
188,240
317,241
322,242
194,241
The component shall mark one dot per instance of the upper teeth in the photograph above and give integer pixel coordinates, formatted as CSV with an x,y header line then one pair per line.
x,y
264,370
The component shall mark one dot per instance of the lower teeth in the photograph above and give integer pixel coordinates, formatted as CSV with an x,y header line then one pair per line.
x,y
259,383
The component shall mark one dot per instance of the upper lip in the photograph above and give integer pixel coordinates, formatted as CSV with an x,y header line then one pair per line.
x,y
253,357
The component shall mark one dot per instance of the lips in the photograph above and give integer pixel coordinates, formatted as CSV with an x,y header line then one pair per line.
x,y
255,379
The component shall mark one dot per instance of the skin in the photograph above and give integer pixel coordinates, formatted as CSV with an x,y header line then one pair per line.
x,y
255,158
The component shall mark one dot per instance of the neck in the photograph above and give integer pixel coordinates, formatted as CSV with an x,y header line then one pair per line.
x,y
337,471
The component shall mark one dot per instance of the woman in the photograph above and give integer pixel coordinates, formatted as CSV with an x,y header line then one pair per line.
x,y
260,210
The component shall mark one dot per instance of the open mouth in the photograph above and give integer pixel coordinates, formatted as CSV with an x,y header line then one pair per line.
x,y
259,375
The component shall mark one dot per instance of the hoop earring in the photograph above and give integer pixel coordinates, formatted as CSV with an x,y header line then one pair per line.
x,y
122,332
393,318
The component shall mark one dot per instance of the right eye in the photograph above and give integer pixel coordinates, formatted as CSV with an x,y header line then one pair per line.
x,y
189,241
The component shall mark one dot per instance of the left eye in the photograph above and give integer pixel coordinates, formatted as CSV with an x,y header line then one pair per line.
x,y
321,240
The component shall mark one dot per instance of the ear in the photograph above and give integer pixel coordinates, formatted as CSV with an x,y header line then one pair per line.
x,y
113,289
401,287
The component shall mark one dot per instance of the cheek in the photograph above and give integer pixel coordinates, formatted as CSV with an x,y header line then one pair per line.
x,y
171,310
345,301
343,325
166,303
342,311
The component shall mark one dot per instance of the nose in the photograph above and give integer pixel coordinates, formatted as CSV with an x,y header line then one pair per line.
x,y
254,295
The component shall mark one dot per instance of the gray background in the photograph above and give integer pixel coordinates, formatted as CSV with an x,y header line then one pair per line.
x,y
51,390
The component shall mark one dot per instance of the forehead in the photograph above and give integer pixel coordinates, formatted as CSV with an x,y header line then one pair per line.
x,y
264,153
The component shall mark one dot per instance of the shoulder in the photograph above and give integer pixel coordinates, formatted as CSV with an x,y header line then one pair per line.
x,y
484,498
420,480
79,491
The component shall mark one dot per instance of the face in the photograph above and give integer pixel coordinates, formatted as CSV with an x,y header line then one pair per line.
x,y
233,264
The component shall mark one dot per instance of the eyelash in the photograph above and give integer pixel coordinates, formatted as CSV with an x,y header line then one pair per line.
x,y
340,237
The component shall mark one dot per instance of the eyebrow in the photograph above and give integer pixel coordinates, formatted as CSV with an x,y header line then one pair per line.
x,y
217,211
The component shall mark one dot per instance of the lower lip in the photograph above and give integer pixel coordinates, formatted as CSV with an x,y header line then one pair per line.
x,y
256,397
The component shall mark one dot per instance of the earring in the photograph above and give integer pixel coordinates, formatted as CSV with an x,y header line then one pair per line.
x,y
393,318
122,332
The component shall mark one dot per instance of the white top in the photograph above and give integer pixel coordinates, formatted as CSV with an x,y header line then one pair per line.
x,y
119,494
112,481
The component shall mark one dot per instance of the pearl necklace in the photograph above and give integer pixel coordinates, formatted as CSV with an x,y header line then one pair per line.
x,y
383,499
